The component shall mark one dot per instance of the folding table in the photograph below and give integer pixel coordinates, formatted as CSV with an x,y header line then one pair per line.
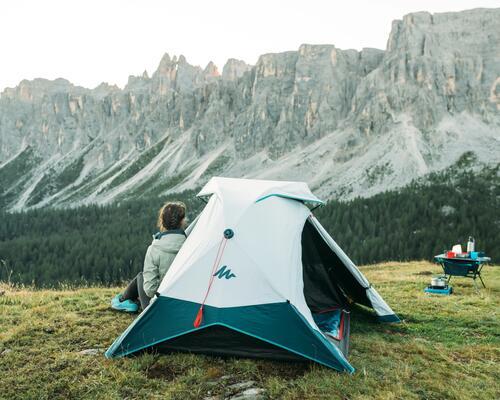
x,y
465,267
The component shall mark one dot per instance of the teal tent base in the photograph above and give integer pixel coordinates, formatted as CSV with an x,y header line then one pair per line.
x,y
277,325
446,291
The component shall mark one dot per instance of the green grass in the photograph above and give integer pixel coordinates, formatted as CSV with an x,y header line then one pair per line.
x,y
446,347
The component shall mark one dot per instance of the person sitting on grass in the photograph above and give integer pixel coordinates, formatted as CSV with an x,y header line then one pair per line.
x,y
159,256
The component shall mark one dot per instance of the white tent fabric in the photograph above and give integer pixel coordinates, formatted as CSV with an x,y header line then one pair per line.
x,y
264,254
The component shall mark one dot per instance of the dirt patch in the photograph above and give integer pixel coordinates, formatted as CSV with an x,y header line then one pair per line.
x,y
164,372
461,358
284,370
424,273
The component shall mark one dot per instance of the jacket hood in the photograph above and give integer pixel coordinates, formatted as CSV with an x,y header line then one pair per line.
x,y
170,242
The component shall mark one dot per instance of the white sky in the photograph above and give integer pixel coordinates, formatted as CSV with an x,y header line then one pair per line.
x,y
91,41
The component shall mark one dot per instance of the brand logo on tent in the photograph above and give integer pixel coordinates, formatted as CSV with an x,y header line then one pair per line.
x,y
224,272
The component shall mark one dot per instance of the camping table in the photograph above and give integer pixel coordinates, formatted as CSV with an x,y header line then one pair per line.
x,y
466,267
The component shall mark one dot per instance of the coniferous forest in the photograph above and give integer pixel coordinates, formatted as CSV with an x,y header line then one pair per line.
x,y
106,244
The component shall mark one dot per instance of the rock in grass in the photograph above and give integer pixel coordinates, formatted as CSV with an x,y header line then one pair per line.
x,y
89,352
237,387
250,394
5,352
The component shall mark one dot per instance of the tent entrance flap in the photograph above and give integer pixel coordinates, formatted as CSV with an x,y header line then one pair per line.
x,y
321,290
325,294
327,281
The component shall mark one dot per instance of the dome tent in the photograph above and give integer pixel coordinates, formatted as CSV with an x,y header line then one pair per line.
x,y
256,269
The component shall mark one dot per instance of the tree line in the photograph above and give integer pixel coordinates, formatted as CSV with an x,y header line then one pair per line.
x,y
106,244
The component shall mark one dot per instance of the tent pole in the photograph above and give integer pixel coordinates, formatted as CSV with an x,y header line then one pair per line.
x,y
315,207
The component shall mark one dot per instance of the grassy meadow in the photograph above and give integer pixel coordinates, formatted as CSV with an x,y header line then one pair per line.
x,y
447,347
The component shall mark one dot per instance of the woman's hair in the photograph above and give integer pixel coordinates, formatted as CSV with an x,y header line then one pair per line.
x,y
171,215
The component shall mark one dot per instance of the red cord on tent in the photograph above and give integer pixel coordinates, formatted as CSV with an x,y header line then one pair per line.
x,y
199,317
341,328
328,310
218,258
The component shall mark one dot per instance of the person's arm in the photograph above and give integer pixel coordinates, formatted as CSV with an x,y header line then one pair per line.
x,y
151,273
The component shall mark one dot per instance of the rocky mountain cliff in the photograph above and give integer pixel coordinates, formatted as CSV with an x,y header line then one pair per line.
x,y
351,123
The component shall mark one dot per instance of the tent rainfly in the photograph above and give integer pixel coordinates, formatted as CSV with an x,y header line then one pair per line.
x,y
258,276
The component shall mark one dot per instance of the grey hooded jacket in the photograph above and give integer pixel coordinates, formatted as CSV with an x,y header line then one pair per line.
x,y
159,257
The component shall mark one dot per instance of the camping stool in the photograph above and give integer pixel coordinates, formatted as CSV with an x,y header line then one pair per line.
x,y
464,267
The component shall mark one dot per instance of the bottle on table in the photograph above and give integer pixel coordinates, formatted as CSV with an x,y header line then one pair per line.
x,y
471,245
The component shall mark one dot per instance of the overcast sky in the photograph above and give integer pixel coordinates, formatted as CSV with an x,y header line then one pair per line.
x,y
91,41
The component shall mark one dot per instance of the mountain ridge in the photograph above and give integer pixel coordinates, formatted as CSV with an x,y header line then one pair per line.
x,y
348,122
